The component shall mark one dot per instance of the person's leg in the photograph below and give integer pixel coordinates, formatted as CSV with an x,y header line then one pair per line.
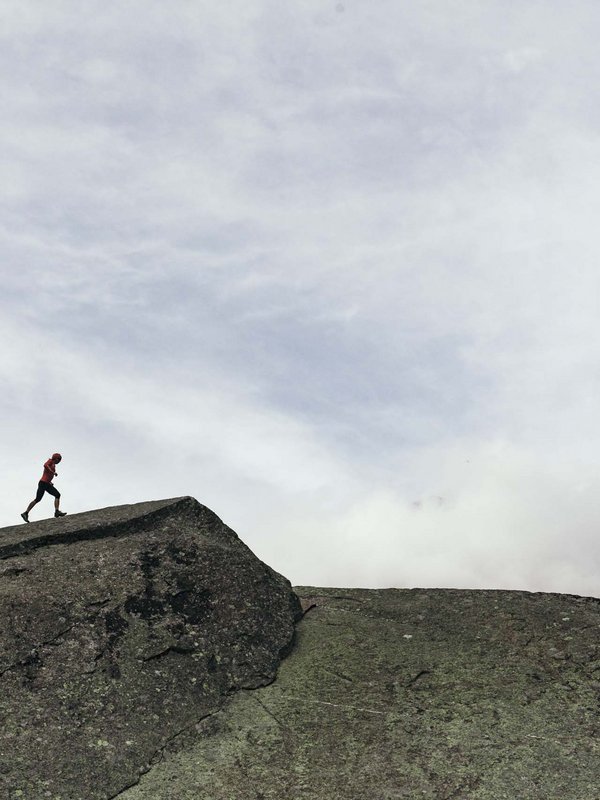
x,y
57,513
36,499
25,514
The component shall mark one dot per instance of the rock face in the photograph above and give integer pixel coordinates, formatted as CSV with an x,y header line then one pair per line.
x,y
119,630
419,694
139,647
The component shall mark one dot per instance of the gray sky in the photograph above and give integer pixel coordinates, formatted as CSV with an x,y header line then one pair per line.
x,y
332,268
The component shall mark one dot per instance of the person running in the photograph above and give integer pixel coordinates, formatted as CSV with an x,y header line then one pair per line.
x,y
45,485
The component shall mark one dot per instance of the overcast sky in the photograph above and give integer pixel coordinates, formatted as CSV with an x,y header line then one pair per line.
x,y
332,268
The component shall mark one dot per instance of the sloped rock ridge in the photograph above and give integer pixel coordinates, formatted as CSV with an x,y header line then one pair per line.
x,y
120,629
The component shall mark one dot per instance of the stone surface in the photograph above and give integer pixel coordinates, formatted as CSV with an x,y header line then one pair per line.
x,y
119,630
420,694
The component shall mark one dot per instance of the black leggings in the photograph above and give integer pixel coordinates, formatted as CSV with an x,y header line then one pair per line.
x,y
44,486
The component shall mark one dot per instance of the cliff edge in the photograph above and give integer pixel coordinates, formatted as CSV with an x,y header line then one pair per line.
x,y
120,629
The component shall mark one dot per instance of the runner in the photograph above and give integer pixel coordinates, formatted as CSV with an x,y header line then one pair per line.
x,y
46,485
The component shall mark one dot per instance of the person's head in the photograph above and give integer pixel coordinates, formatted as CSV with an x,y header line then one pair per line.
x,y
56,457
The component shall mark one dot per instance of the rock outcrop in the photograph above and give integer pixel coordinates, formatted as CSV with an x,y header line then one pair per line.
x,y
120,629
139,647
417,694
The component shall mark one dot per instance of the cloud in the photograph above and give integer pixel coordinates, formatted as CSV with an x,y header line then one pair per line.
x,y
501,524
313,263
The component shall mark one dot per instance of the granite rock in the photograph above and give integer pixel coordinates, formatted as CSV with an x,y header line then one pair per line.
x,y
415,694
120,629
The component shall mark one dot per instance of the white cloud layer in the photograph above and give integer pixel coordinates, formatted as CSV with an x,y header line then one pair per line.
x,y
330,268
